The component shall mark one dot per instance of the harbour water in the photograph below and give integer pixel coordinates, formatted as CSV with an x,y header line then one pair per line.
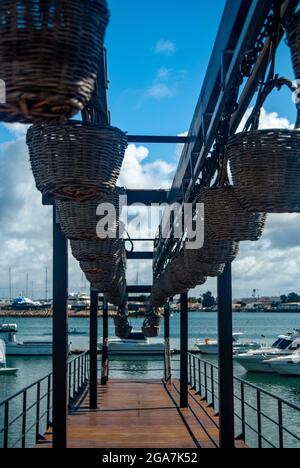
x,y
201,325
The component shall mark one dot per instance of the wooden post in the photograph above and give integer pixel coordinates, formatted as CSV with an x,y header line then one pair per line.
x,y
184,351
226,387
60,334
94,349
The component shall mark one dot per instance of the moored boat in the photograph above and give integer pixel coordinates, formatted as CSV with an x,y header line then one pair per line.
x,y
14,347
4,370
257,360
135,345
211,347
286,365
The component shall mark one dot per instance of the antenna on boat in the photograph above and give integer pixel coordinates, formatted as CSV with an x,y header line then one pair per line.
x,y
27,285
46,284
9,282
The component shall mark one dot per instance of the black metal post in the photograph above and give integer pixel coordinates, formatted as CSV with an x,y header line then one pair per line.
x,y
60,334
168,367
184,351
226,389
94,350
105,357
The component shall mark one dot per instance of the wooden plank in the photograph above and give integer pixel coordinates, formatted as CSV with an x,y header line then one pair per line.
x,y
140,414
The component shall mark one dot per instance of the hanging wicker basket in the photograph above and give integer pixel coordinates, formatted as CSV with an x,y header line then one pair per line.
x,y
79,220
103,251
151,325
225,219
265,167
122,327
293,37
195,263
76,161
50,52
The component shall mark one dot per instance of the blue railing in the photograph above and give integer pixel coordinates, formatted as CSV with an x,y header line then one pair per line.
x,y
262,420
26,415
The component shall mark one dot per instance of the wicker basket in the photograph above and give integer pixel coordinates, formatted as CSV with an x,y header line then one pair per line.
x,y
195,263
225,219
50,52
151,325
79,220
103,251
293,37
122,327
265,167
76,161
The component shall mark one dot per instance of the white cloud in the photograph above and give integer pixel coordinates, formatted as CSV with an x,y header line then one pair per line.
x,y
138,174
160,91
165,47
16,129
267,120
270,265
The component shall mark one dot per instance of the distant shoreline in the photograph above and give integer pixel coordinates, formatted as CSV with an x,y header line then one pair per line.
x,y
86,313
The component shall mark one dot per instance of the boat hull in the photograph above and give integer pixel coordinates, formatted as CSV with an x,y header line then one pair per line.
x,y
8,371
257,364
292,370
28,350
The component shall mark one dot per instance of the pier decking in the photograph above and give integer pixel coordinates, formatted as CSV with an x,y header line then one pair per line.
x,y
141,414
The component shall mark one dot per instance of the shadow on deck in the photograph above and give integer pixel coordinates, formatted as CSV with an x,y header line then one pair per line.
x,y
141,414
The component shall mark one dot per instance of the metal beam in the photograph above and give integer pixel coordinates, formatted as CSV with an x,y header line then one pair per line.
x,y
147,197
226,387
139,255
184,402
158,139
60,334
240,27
105,356
94,349
139,289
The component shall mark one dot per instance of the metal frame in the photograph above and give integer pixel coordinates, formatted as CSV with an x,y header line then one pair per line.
x,y
184,317
94,349
60,334
105,351
250,400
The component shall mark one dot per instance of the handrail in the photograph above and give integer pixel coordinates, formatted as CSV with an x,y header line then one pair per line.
x,y
78,374
202,376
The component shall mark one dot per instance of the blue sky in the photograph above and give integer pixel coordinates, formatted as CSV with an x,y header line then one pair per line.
x,y
158,54
136,65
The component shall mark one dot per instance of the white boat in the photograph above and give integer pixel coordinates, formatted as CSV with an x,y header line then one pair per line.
x,y
4,370
79,301
135,345
257,361
286,365
25,348
211,347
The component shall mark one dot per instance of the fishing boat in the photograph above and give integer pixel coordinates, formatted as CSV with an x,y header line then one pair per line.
x,y
14,347
135,345
257,361
4,370
286,365
211,347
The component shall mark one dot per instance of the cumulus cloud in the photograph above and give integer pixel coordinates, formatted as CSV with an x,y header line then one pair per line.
x,y
165,47
270,265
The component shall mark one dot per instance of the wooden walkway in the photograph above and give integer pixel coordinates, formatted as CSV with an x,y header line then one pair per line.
x,y
141,414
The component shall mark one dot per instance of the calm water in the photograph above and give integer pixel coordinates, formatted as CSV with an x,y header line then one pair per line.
x,y
201,325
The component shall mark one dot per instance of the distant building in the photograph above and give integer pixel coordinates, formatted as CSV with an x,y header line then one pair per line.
x,y
289,306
